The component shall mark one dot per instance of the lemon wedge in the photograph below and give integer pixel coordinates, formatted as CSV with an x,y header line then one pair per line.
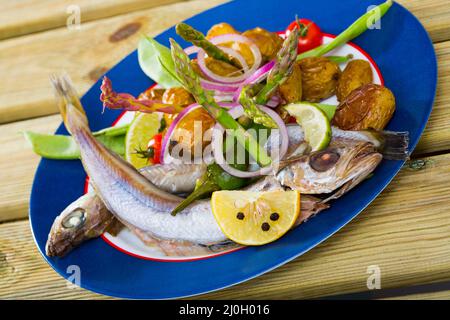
x,y
255,218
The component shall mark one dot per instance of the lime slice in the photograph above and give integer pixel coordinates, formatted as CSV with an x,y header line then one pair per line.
x,y
142,129
314,122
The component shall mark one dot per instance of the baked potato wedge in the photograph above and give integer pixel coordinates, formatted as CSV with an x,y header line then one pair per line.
x,y
356,73
319,78
220,29
369,106
177,96
269,43
291,89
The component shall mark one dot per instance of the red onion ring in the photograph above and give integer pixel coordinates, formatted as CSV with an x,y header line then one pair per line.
x,y
165,156
217,144
231,38
258,76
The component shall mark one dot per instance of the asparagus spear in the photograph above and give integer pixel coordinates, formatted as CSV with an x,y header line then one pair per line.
x,y
191,82
252,110
357,27
197,38
282,68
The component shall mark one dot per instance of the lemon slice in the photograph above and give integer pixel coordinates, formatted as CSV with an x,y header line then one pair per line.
x,y
314,122
255,218
143,127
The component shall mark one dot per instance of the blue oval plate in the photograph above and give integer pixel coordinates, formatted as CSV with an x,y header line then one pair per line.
x,y
402,50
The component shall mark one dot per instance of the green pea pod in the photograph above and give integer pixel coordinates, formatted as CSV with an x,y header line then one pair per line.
x,y
60,147
357,27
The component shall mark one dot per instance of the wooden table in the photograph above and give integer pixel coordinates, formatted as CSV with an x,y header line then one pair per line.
x,y
405,231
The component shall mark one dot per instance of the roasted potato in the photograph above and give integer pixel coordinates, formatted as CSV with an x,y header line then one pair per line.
x,y
220,29
269,43
319,78
178,97
291,89
152,94
190,133
218,67
355,74
369,106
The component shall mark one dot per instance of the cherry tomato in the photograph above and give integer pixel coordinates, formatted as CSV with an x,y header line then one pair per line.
x,y
155,145
310,34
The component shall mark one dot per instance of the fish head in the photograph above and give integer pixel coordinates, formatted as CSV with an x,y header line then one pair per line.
x,y
83,219
326,170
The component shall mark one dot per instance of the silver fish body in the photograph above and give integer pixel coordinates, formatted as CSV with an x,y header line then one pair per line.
x,y
99,219
174,178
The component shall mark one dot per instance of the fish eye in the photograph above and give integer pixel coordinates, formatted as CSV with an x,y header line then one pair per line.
x,y
75,219
324,160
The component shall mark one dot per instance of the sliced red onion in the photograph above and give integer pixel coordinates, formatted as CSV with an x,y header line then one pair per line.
x,y
273,102
221,87
224,98
231,38
165,156
217,144
191,50
258,76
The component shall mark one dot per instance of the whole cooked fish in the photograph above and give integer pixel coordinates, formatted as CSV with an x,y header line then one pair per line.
x,y
89,218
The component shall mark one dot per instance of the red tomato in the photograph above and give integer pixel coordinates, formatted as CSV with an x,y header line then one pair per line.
x,y
310,34
155,144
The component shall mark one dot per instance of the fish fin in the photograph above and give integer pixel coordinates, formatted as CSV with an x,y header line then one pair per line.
x,y
393,145
68,102
310,206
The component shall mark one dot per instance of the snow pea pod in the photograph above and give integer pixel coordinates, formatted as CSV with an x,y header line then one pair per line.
x,y
61,147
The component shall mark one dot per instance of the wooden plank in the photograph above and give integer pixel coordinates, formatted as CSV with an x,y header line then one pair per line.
x,y
22,269
85,54
18,165
29,16
436,137
440,295
402,232
433,14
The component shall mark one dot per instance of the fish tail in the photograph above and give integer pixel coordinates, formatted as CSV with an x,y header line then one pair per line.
x,y
68,102
392,145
